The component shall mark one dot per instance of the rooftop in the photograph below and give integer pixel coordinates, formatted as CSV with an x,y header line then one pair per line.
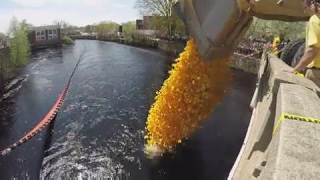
x,y
39,28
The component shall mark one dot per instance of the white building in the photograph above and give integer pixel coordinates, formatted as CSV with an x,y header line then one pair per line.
x,y
44,33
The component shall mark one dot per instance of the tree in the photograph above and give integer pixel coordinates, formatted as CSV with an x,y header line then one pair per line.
x,y
61,23
25,25
66,27
2,37
163,17
19,42
129,27
291,30
106,27
88,29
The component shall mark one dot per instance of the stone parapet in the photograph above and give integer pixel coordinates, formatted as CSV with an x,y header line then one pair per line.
x,y
290,152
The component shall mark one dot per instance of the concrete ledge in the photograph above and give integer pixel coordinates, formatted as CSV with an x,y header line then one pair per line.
x,y
292,153
278,76
294,150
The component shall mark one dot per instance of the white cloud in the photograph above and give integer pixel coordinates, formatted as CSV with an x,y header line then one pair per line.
x,y
76,12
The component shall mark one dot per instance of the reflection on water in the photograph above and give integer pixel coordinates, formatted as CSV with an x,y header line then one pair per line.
x,y
99,130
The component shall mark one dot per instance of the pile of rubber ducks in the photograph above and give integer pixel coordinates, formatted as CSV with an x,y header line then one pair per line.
x,y
186,99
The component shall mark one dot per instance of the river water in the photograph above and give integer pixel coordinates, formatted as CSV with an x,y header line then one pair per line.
x,y
99,130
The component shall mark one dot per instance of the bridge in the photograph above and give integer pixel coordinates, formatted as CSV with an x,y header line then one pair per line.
x,y
283,138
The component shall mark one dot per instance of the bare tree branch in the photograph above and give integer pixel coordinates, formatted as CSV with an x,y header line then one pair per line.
x,y
161,12
155,7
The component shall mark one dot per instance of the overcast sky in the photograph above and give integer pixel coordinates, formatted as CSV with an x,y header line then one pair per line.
x,y
76,12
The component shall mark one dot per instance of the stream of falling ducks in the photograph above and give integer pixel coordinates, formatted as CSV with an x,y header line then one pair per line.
x,y
186,99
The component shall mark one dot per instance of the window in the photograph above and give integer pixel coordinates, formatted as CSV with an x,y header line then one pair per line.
x,y
38,36
42,37
50,31
42,32
54,31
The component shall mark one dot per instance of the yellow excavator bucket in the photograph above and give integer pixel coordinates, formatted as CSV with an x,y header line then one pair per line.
x,y
219,25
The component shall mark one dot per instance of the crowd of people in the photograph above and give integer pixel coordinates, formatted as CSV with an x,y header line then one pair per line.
x,y
255,46
251,47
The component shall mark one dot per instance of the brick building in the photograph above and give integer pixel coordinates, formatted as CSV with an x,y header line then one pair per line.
x,y
153,26
144,24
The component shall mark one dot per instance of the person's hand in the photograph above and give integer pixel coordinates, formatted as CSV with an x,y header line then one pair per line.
x,y
289,70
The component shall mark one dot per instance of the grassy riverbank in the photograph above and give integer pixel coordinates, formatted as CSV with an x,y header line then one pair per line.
x,y
131,39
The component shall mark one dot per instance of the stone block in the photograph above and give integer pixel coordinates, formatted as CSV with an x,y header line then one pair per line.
x,y
278,76
294,150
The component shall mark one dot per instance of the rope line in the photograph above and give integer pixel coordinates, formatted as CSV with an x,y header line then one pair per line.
x,y
50,115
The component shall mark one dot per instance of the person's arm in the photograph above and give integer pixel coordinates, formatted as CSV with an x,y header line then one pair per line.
x,y
309,54
312,46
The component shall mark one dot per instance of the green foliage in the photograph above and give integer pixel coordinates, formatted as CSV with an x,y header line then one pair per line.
x,y
179,27
106,27
88,29
167,25
291,30
19,42
129,27
25,25
67,40
142,40
128,39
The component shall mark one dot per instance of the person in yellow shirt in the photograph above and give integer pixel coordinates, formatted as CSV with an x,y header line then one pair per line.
x,y
276,45
311,56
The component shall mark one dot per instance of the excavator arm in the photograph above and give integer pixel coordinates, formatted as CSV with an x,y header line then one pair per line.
x,y
219,25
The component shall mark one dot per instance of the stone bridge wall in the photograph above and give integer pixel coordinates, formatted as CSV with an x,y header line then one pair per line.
x,y
292,152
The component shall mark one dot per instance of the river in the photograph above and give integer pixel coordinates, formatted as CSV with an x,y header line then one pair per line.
x,y
99,130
